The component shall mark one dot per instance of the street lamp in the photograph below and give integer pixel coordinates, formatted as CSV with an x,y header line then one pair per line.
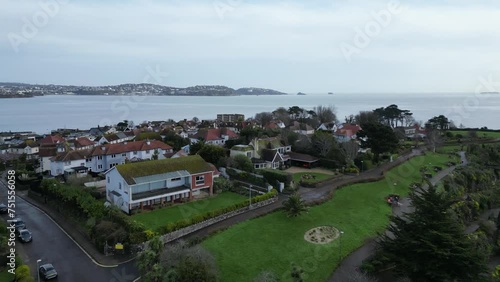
x,y
37,268
250,197
340,244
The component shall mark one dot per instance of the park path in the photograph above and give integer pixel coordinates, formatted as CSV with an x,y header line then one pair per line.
x,y
352,262
309,195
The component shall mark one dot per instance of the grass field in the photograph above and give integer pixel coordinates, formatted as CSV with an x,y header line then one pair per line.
x,y
481,134
274,242
317,177
156,218
6,276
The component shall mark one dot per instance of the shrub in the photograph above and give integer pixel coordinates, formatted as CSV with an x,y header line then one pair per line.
x,y
273,176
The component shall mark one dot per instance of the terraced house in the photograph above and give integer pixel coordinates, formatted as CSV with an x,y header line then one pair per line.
x,y
142,184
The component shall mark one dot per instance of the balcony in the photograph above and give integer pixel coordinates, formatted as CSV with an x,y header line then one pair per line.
x,y
162,191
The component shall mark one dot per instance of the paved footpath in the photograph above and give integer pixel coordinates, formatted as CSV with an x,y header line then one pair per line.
x,y
352,262
308,194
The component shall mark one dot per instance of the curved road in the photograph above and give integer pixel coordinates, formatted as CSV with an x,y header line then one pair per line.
x,y
52,245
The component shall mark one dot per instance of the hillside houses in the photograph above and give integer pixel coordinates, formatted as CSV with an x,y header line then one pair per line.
x,y
214,136
264,153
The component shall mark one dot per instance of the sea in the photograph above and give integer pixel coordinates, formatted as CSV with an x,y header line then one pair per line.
x,y
45,113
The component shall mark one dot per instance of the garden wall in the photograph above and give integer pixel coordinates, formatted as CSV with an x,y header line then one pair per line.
x,y
195,227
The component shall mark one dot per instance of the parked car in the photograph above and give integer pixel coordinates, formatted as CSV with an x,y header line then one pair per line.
x,y
3,208
19,223
47,271
25,236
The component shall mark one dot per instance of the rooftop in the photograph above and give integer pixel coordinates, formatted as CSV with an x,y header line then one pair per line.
x,y
192,164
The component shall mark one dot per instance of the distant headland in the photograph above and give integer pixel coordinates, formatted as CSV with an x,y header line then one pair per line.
x,y
21,90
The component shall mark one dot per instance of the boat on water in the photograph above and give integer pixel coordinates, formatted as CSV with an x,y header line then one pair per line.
x,y
491,92
330,93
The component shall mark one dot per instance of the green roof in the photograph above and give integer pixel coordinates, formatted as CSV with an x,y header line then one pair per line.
x,y
269,143
242,148
193,164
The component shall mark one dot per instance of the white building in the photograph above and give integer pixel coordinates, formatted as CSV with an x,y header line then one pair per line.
x,y
136,185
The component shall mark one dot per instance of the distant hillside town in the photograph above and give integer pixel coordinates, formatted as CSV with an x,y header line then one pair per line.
x,y
20,90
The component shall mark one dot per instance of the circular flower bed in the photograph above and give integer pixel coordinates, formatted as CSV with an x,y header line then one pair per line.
x,y
321,234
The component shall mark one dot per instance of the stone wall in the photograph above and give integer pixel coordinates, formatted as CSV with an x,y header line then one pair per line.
x,y
195,227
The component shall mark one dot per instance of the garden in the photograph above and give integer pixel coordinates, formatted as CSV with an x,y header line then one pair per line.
x,y
162,216
275,242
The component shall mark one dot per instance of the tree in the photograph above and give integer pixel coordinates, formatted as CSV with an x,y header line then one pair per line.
x,y
282,115
189,263
23,273
264,118
213,154
349,151
174,140
380,138
195,147
323,143
296,112
242,162
365,117
294,206
430,244
440,123
325,113
297,273
145,260
434,139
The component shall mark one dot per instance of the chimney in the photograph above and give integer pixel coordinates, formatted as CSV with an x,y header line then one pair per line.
x,y
148,142
103,148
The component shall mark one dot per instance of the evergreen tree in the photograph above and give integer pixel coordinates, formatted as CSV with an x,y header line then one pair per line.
x,y
430,245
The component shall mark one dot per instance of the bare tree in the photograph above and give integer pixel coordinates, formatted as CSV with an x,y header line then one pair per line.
x,y
264,118
323,143
282,114
349,150
325,113
434,139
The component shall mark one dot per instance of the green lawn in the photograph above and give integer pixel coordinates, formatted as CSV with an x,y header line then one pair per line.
x,y
317,177
481,134
274,242
159,217
451,149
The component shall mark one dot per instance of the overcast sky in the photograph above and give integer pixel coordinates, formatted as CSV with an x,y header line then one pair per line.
x,y
291,46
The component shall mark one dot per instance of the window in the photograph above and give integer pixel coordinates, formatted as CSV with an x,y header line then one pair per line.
x,y
82,164
175,179
99,157
99,167
113,156
147,151
67,163
124,155
88,160
120,185
200,180
135,152
108,179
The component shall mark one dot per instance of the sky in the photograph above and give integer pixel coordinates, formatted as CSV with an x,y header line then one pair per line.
x,y
308,46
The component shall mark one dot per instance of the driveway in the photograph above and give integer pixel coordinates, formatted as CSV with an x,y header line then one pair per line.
x,y
52,245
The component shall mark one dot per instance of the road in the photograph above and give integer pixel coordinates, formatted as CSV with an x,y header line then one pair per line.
x,y
52,245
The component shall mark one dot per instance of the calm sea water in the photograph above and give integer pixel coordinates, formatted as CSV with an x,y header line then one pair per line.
x,y
42,114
